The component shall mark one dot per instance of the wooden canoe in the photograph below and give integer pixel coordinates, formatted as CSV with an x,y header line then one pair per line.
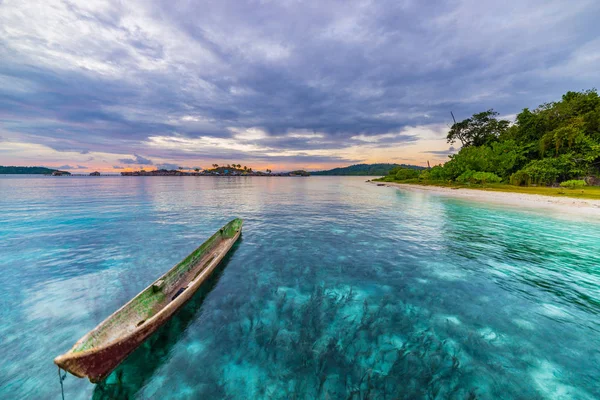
x,y
101,350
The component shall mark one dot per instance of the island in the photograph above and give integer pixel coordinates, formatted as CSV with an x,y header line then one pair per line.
x,y
14,170
366,170
216,170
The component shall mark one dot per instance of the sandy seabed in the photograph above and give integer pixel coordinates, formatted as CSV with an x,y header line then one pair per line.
x,y
560,205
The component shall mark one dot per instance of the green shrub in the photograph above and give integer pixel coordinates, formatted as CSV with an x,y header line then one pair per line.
x,y
465,177
540,172
406,173
573,184
486,177
478,177
438,173
424,175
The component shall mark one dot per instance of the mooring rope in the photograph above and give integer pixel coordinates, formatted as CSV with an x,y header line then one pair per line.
x,y
61,378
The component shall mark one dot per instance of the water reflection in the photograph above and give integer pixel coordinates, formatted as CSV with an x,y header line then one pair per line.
x,y
133,373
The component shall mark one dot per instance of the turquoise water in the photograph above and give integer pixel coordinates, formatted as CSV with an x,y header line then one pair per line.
x,y
338,289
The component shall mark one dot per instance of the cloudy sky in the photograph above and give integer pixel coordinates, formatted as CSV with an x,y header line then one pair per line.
x,y
110,85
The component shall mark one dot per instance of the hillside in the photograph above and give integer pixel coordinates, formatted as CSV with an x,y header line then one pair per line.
x,y
365,169
27,170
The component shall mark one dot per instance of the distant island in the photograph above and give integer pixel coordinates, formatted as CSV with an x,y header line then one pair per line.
x,y
12,170
366,169
216,170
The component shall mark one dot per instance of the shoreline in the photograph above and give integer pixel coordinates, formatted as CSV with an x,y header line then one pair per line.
x,y
511,199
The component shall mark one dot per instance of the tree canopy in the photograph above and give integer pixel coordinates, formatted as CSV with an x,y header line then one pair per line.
x,y
556,142
482,128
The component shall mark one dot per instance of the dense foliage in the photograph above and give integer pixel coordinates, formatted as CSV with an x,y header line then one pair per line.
x,y
365,169
556,142
26,170
573,184
403,173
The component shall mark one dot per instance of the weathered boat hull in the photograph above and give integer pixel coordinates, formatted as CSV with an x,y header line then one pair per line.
x,y
97,361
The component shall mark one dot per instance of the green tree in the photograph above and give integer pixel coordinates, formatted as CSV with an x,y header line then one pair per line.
x,y
555,142
405,173
480,129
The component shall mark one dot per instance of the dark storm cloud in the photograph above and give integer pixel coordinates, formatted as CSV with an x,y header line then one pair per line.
x,y
357,73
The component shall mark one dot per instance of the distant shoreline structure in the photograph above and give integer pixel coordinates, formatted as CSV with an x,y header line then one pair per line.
x,y
215,172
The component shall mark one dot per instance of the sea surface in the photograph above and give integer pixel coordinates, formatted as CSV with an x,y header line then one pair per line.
x,y
338,289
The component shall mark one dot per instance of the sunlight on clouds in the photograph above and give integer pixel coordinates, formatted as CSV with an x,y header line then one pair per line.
x,y
257,134
248,133
201,143
306,135
191,118
207,143
426,132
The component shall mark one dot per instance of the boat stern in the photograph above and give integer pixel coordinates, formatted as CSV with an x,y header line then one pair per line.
x,y
97,364
67,363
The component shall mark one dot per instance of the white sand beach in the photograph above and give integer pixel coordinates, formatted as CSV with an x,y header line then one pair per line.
x,y
563,205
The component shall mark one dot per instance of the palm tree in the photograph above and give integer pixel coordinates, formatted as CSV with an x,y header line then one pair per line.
x,y
197,169
245,168
268,171
181,168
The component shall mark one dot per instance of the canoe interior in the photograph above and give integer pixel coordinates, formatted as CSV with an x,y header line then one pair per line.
x,y
156,296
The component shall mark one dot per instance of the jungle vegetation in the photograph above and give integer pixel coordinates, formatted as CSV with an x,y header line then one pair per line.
x,y
558,142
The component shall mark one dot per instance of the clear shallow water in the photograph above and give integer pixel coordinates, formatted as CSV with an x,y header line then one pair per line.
x,y
337,289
